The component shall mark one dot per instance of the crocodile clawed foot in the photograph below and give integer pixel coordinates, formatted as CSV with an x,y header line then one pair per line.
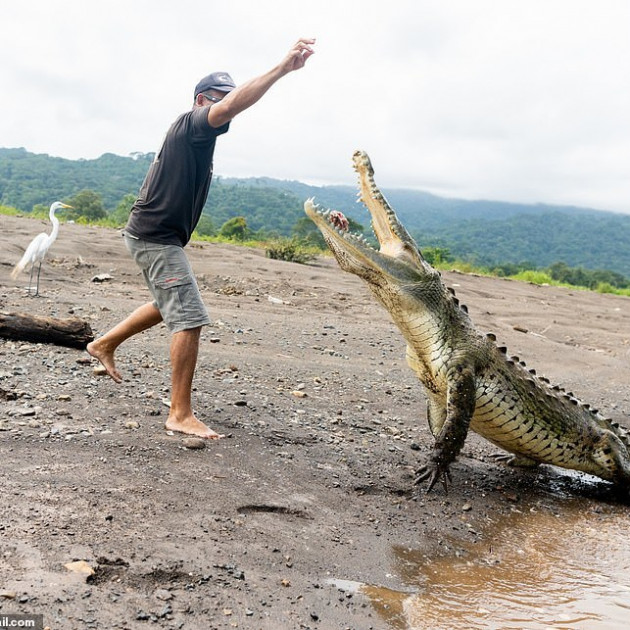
x,y
502,457
433,472
518,461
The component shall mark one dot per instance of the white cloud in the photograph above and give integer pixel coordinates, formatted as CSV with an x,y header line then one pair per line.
x,y
487,99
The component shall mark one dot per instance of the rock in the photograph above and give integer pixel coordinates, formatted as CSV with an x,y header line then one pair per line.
x,y
167,610
8,594
163,595
194,443
80,566
102,277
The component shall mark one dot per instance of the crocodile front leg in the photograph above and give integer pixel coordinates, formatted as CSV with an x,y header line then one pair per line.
x,y
460,406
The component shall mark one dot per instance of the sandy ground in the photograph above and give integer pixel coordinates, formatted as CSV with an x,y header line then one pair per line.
x,y
324,425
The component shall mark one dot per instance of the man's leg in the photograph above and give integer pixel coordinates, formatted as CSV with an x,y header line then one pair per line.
x,y
184,353
104,347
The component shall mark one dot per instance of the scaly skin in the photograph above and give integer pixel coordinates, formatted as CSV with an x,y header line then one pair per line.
x,y
469,381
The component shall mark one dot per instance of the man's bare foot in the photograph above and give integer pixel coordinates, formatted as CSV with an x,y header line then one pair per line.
x,y
106,357
191,426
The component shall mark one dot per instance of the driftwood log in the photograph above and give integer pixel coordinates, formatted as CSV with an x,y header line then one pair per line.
x,y
72,332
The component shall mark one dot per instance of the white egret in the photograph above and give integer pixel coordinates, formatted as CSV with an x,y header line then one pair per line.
x,y
38,247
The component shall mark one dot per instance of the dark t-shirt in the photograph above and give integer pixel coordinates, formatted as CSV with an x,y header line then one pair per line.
x,y
176,186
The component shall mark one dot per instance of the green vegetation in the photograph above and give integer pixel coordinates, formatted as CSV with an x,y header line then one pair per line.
x,y
9,211
591,240
493,238
300,249
235,229
265,209
588,280
291,250
28,179
534,277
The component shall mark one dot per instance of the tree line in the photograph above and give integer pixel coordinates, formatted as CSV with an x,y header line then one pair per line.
x,y
593,247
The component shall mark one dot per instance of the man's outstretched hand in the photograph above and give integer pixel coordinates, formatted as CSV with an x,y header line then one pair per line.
x,y
298,54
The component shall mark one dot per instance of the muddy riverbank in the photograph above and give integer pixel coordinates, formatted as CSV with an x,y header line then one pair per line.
x,y
310,495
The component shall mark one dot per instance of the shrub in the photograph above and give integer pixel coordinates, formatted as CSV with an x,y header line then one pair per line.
x,y
235,229
436,255
605,287
289,249
535,277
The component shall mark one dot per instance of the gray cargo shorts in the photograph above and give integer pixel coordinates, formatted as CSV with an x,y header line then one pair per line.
x,y
172,283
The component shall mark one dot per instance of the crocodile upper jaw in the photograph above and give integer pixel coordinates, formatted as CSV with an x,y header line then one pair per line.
x,y
398,258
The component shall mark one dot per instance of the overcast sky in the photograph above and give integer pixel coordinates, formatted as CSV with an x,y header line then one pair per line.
x,y
514,100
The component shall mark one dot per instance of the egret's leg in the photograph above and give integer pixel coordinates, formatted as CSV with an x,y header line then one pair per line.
x,y
39,269
30,279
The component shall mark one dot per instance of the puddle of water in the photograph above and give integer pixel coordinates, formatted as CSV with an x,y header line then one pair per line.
x,y
533,570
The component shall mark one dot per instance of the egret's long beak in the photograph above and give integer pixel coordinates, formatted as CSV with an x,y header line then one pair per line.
x,y
65,205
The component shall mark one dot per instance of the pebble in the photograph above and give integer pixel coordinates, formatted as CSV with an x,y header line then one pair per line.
x,y
80,566
102,277
194,443
163,595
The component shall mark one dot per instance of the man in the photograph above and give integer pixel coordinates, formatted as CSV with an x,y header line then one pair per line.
x,y
161,223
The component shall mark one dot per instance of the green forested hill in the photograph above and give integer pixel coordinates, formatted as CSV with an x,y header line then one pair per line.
x,y
28,179
486,232
592,240
267,208
491,232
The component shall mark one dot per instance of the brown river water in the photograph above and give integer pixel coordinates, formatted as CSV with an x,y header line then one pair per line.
x,y
558,566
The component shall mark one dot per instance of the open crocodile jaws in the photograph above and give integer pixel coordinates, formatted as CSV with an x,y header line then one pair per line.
x,y
470,382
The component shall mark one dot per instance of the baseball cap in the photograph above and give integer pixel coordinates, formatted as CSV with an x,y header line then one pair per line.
x,y
220,81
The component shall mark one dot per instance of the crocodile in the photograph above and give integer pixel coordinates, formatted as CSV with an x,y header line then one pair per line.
x,y
470,381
